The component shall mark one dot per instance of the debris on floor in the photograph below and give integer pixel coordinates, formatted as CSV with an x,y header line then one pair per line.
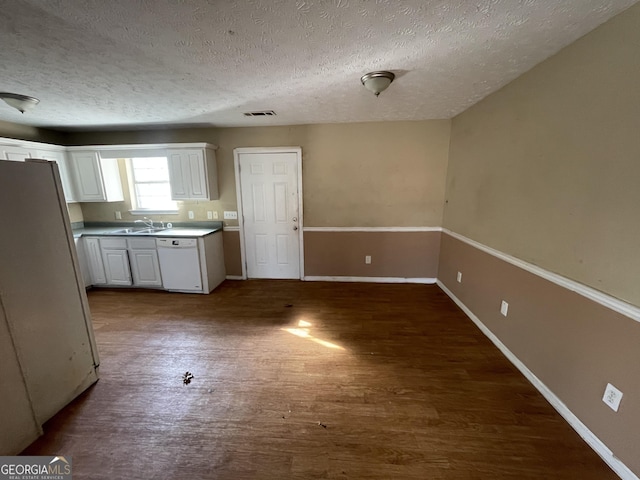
x,y
322,425
288,305
187,377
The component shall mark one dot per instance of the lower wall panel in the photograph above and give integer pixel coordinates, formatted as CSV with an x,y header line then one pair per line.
x,y
232,258
393,254
574,345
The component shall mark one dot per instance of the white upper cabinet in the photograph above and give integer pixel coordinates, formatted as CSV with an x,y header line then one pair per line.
x,y
193,173
97,179
91,174
19,151
16,154
60,158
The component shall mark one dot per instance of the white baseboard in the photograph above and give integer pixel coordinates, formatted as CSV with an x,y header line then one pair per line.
x,y
369,279
588,436
235,277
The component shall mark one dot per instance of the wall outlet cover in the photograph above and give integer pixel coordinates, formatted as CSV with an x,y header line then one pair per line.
x,y
209,215
504,308
367,259
612,397
459,277
215,215
191,216
118,215
230,215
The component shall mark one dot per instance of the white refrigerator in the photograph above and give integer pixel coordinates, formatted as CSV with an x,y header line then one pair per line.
x,y
48,354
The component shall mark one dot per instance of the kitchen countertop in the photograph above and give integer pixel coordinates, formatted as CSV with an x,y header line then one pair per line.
x,y
189,231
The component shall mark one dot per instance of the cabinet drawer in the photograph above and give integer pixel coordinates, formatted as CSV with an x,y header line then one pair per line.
x,y
142,243
113,243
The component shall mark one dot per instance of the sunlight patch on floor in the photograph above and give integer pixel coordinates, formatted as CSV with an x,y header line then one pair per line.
x,y
304,331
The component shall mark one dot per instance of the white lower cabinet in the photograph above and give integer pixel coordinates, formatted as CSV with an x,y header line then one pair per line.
x,y
133,261
145,267
93,255
116,261
121,261
82,260
116,267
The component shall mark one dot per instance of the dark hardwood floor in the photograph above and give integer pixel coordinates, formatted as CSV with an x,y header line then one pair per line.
x,y
307,380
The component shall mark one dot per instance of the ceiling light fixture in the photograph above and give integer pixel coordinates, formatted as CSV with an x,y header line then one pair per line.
x,y
377,82
22,103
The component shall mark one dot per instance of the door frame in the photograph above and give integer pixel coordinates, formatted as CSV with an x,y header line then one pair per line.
x,y
236,165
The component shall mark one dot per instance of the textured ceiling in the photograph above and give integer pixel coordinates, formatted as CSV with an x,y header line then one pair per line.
x,y
114,63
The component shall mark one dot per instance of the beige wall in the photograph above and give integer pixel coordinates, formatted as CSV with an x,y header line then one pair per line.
x,y
547,168
75,212
363,174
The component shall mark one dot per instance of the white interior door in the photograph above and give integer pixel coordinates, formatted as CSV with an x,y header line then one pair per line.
x,y
269,186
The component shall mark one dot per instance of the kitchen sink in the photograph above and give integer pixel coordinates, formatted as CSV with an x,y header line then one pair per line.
x,y
123,230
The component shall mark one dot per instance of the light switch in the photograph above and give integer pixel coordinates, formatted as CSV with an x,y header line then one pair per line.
x,y
230,215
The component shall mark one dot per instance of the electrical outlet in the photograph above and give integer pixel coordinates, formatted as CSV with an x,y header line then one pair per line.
x,y
118,216
191,216
215,215
209,215
459,277
504,308
612,397
367,259
230,215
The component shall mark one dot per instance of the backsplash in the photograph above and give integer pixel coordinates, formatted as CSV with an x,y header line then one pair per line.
x,y
75,212
191,224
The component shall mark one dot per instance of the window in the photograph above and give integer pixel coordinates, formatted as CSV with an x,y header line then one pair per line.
x,y
150,188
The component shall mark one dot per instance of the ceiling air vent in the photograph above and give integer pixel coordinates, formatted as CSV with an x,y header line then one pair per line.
x,y
264,113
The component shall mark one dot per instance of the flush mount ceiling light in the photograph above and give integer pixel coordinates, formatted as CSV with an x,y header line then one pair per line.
x,y
22,103
377,82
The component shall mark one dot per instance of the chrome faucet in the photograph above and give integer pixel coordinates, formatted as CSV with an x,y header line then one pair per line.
x,y
147,221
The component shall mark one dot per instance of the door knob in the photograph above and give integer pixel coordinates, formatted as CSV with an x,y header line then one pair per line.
x,y
295,219
295,227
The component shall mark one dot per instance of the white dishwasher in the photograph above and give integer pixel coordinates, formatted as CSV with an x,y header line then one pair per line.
x,y
180,264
